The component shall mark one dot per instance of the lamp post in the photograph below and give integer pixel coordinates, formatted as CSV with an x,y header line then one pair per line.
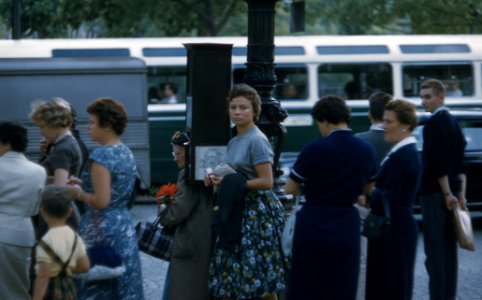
x,y
260,73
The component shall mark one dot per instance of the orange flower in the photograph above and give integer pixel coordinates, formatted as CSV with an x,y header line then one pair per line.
x,y
166,193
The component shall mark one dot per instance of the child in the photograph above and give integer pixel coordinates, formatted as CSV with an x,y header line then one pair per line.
x,y
60,251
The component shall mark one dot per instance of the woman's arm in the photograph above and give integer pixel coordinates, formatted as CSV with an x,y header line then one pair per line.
x,y
83,264
292,187
41,281
61,177
264,180
101,181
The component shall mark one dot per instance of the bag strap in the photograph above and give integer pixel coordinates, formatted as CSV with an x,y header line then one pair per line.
x,y
54,255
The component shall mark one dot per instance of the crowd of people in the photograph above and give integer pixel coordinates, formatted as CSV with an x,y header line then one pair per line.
x,y
228,230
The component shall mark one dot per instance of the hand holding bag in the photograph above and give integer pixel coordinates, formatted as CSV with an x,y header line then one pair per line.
x,y
377,227
463,228
155,240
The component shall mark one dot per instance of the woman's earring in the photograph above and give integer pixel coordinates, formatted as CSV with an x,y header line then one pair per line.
x,y
404,129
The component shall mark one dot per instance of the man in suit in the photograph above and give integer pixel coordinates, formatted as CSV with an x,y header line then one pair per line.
x,y
374,136
21,183
442,188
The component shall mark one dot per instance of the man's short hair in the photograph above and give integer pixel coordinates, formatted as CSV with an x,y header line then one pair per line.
x,y
436,85
56,201
378,101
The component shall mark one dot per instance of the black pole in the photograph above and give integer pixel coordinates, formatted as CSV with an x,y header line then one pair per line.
x,y
260,73
16,20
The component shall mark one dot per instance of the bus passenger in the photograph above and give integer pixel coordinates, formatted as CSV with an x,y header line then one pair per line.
x,y
452,87
247,261
442,188
168,93
326,244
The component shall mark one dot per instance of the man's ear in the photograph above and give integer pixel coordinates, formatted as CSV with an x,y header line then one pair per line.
x,y
42,212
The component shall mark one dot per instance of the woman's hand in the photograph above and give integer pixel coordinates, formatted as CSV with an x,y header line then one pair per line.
x,y
74,180
75,190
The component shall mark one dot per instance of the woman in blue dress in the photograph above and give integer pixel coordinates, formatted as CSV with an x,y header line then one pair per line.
x,y
334,172
108,182
253,267
390,262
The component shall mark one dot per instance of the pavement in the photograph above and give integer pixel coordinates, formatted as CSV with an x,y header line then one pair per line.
x,y
469,281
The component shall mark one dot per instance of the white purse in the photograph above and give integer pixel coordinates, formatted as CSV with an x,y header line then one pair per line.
x,y
289,229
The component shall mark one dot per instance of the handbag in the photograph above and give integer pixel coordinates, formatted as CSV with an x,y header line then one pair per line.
x,y
463,228
377,227
104,261
155,240
289,229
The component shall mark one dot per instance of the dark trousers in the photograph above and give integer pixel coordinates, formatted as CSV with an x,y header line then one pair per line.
x,y
440,247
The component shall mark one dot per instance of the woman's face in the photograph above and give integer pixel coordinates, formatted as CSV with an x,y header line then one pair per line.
x,y
393,130
95,131
48,132
241,111
179,155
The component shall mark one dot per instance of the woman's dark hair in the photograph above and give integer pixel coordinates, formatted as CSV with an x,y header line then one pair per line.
x,y
56,201
14,134
244,90
332,109
404,111
109,112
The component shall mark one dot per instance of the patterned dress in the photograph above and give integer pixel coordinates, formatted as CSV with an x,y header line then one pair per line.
x,y
113,226
256,266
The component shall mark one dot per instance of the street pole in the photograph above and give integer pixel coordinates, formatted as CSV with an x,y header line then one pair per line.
x,y
261,76
16,19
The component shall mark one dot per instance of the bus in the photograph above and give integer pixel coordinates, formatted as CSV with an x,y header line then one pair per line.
x,y
306,68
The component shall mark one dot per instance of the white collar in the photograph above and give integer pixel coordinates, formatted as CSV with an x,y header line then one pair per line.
x,y
377,126
406,141
439,109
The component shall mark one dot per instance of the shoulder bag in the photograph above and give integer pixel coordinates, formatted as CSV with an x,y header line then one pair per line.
x,y
377,227
155,240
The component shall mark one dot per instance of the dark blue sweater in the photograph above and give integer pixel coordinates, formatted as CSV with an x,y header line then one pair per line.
x,y
443,153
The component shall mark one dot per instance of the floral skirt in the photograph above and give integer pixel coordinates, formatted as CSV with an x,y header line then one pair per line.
x,y
256,267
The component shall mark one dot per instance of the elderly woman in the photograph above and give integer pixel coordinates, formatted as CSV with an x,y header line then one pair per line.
x,y
390,262
21,183
334,171
108,182
191,214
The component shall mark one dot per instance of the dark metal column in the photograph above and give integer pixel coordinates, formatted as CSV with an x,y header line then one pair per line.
x,y
260,72
16,32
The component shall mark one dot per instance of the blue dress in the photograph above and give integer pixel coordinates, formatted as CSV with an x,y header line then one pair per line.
x,y
113,225
391,262
326,243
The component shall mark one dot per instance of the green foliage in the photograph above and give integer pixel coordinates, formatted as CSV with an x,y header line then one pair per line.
x,y
138,18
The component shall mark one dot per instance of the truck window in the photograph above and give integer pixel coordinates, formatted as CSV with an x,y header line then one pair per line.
x,y
354,81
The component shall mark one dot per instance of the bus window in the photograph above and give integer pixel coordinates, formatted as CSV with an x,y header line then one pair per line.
x,y
354,81
157,77
457,77
291,81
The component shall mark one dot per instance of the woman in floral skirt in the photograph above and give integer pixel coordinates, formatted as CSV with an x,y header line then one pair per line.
x,y
252,266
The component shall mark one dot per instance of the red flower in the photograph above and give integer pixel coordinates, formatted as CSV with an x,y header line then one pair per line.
x,y
166,193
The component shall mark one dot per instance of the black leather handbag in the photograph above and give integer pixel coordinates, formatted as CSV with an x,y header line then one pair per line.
x,y
376,227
